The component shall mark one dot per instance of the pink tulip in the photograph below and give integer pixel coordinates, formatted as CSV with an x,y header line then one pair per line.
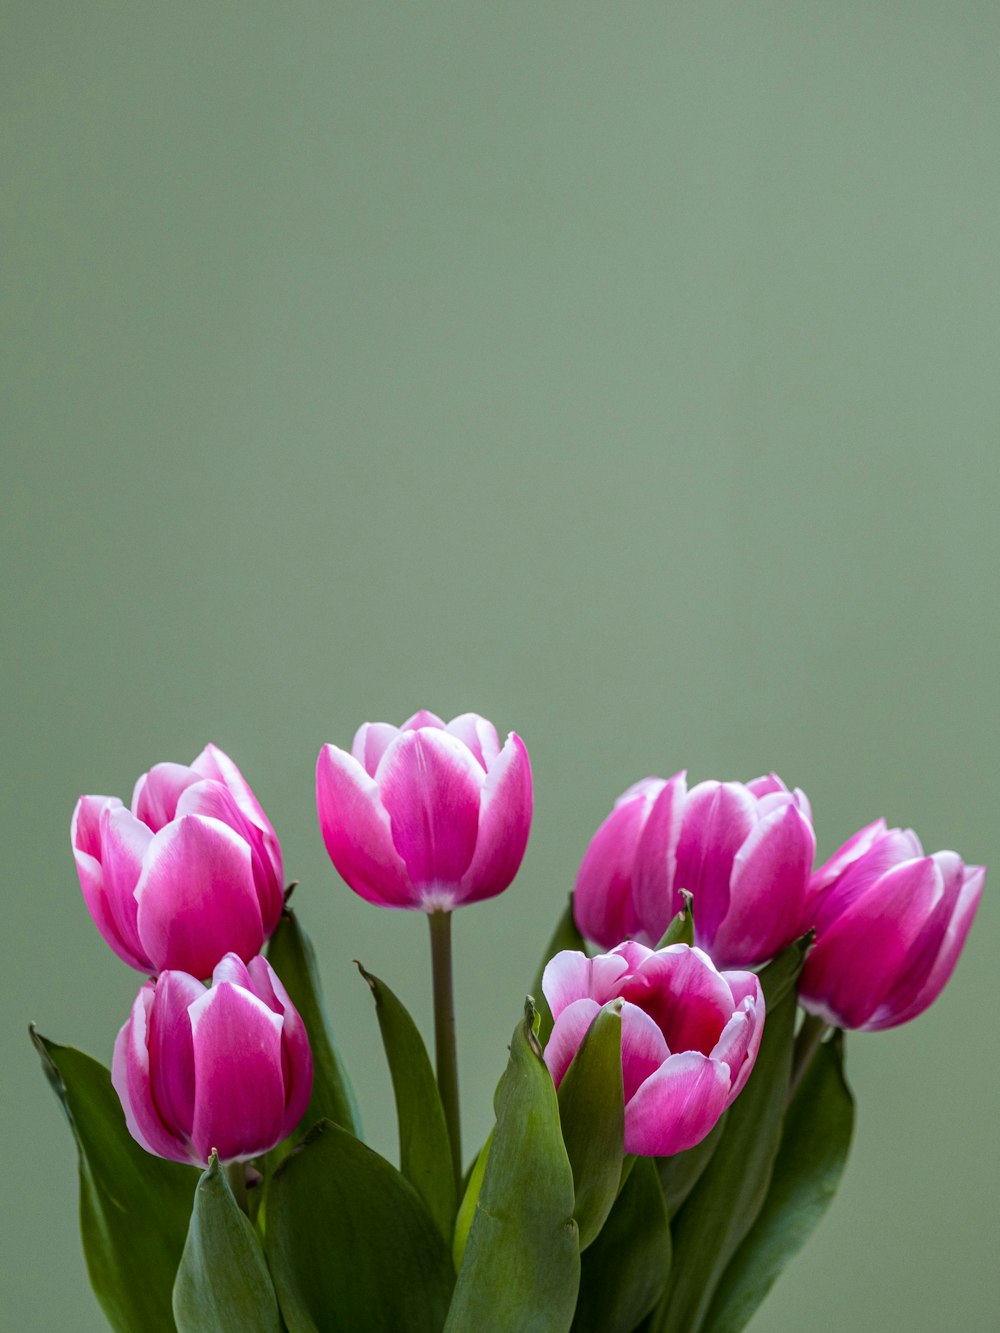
x,y
890,923
690,1035
743,851
428,815
192,871
226,1066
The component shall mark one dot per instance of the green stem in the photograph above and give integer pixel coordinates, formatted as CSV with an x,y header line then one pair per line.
x,y
809,1036
444,1033
236,1174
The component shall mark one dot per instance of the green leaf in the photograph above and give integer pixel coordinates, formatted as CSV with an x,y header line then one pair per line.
x,y
625,1270
810,1163
134,1207
222,1284
723,1205
291,954
565,936
467,1208
679,1174
424,1148
350,1243
681,928
522,1260
592,1113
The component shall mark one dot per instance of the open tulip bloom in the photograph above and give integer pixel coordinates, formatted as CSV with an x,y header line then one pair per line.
x,y
661,1096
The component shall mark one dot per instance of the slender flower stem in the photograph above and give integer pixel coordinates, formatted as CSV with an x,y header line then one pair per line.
x,y
444,1033
236,1174
809,1036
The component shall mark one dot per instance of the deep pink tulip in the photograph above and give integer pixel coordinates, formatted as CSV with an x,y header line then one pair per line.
x,y
890,923
743,850
428,815
192,871
690,1035
226,1066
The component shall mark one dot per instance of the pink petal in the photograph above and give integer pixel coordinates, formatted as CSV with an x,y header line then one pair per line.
x,y
216,764
856,961
157,792
131,1081
197,898
901,1006
85,826
423,717
125,841
683,993
767,889
171,1054
371,741
892,848
768,785
739,1044
479,735
296,1055
855,847
654,873
568,1032
239,1088
430,785
602,896
85,836
643,1048
718,819
357,833
504,824
676,1106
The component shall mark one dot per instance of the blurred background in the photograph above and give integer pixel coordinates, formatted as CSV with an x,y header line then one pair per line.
x,y
626,373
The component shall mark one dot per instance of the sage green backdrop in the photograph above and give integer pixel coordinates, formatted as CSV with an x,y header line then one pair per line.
x,y
625,372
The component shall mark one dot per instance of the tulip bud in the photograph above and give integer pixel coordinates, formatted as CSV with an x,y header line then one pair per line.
x,y
743,851
428,815
690,1035
192,871
224,1067
890,923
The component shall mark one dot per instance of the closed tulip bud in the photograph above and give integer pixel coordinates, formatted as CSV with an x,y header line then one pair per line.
x,y
225,1067
890,923
743,850
429,815
690,1035
190,872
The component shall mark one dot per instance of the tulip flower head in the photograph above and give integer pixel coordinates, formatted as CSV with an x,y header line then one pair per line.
x,y
890,923
743,850
225,1067
190,872
690,1035
429,815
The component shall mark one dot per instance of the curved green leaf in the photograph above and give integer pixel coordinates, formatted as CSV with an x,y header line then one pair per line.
x,y
467,1208
592,1113
723,1205
810,1163
564,936
624,1272
350,1243
291,954
424,1148
132,1249
522,1259
222,1284
679,1174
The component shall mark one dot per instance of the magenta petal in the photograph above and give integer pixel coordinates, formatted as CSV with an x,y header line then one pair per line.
x,y
566,978
568,1032
357,833
371,740
676,1106
767,889
171,1054
239,1088
739,1044
643,1048
423,717
430,786
125,842
197,898
654,873
684,994
157,792
297,1063
85,834
856,846
718,819
602,896
478,734
891,849
505,805
216,764
130,1077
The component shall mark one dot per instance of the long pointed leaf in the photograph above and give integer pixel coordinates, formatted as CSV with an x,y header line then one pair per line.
x,y
134,1207
350,1243
810,1163
522,1260
222,1285
424,1148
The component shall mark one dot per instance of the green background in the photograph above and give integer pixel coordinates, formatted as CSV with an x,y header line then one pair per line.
x,y
627,373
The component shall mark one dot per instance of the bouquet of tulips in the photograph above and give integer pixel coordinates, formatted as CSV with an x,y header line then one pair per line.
x,y
668,1129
